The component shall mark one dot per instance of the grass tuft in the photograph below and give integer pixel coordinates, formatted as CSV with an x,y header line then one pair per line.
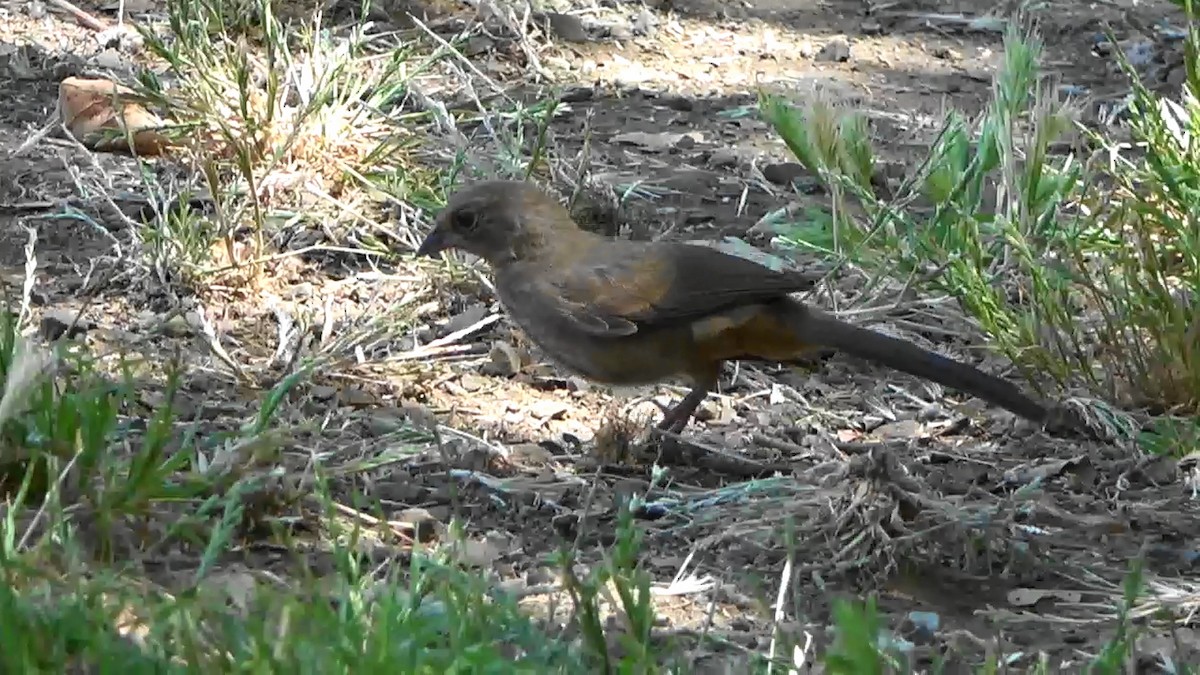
x,y
1075,255
286,122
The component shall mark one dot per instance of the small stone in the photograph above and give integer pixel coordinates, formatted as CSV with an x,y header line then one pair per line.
x,y
420,521
783,173
1175,79
945,53
471,382
299,291
723,158
324,392
419,415
568,27
762,418
718,413
578,94
358,398
110,59
680,103
836,51
930,412
386,421
478,44
504,361
644,23
194,321
465,319
620,32
530,454
548,410
57,323
177,326
900,429
1139,53
651,142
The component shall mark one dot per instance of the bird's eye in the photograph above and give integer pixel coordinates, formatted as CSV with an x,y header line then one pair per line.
x,y
466,221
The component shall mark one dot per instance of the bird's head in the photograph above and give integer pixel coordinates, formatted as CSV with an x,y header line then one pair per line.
x,y
497,220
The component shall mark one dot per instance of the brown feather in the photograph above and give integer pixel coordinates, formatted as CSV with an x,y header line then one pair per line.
x,y
624,312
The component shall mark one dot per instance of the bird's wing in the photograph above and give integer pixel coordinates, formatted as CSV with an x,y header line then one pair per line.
x,y
619,287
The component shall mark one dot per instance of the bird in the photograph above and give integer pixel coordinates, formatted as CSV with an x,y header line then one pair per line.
x,y
632,313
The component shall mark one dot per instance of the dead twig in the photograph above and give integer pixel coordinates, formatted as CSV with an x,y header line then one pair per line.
x,y
86,20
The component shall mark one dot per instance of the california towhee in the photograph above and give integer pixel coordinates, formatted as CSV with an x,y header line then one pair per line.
x,y
631,313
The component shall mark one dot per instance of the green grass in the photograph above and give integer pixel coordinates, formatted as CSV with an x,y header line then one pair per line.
x,y
85,488
287,123
863,646
80,585
1076,256
434,619
126,530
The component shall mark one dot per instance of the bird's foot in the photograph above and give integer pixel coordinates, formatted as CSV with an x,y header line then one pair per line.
x,y
676,419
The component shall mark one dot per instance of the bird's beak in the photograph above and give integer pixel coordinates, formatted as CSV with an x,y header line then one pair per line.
x,y
436,241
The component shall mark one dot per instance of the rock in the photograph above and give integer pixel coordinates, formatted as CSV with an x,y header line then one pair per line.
x,y
102,115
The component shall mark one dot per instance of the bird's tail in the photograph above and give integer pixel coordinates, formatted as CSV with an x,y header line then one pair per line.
x,y
818,328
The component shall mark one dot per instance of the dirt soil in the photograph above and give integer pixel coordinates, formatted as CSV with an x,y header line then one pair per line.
x,y
888,487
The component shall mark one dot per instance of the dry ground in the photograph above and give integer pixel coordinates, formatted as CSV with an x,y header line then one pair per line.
x,y
887,487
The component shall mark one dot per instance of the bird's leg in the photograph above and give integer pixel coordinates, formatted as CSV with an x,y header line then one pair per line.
x,y
678,417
